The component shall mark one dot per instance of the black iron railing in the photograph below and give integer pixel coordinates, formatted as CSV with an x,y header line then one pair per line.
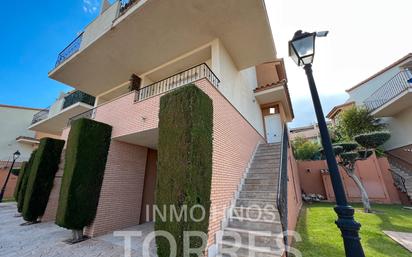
x,y
41,115
89,114
76,97
392,88
180,79
282,193
399,181
71,49
125,5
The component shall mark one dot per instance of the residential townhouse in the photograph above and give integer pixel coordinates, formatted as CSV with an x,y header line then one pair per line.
x,y
387,94
134,53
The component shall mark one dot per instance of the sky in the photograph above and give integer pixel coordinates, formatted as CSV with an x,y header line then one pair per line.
x,y
365,36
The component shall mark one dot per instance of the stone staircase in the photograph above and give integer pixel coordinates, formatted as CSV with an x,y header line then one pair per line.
x,y
253,225
398,172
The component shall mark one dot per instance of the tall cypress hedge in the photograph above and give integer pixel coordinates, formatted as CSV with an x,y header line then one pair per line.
x,y
86,155
19,181
42,171
184,164
24,180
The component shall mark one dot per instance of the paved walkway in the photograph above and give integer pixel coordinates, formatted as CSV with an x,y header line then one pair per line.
x,y
45,239
404,239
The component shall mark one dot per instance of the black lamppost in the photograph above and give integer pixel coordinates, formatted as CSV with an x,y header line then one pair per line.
x,y
16,155
302,51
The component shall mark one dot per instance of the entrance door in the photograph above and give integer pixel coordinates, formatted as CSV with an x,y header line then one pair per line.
x,y
273,126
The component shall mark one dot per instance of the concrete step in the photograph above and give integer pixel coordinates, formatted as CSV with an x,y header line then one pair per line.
x,y
255,203
272,226
258,195
261,181
253,238
263,153
232,249
257,187
271,169
268,160
265,165
267,157
262,175
268,214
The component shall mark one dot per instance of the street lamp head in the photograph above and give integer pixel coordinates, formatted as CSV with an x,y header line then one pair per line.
x,y
16,155
302,46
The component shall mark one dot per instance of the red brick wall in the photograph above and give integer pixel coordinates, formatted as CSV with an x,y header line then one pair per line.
x,y
122,189
234,141
11,184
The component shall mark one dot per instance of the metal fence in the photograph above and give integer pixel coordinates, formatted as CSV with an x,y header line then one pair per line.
x,y
180,79
71,49
87,114
78,96
282,193
41,115
392,88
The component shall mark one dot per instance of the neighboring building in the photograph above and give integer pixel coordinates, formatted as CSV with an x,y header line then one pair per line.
x,y
309,132
14,136
52,120
131,55
388,95
334,113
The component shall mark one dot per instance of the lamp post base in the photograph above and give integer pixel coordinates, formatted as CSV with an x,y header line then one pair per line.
x,y
350,231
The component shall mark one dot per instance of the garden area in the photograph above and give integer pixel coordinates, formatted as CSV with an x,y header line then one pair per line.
x,y
321,237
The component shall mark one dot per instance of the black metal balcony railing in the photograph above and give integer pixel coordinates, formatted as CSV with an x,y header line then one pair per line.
x,y
392,88
76,97
71,49
125,5
41,115
180,79
282,193
89,114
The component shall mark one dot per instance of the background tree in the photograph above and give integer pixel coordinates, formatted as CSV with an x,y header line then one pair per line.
x,y
350,152
304,149
355,121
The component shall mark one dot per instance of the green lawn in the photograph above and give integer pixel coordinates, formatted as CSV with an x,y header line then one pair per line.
x,y
321,237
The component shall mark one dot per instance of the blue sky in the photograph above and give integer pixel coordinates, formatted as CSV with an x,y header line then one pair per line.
x,y
33,34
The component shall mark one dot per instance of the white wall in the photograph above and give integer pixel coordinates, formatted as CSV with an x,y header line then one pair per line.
x,y
14,123
400,126
237,85
362,92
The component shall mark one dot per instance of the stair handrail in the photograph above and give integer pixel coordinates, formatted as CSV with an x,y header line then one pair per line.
x,y
282,192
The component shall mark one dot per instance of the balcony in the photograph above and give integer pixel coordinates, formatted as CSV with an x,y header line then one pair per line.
x,y
141,36
134,116
53,119
392,97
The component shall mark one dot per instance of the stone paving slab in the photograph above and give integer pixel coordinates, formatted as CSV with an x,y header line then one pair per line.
x,y
402,238
46,239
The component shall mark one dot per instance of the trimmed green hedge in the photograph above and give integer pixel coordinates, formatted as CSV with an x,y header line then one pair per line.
x,y
40,183
86,155
184,164
19,181
24,180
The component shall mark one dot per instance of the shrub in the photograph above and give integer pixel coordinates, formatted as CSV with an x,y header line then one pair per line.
x,y
15,171
184,163
85,162
373,140
347,146
304,149
42,171
19,181
24,180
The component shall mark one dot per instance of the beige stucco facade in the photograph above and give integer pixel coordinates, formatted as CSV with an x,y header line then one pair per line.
x,y
15,123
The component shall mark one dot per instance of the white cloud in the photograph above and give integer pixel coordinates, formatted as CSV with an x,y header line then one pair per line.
x,y
90,6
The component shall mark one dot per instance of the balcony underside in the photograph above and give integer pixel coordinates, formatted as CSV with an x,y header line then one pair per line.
x,y
56,124
159,31
395,105
147,138
273,95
